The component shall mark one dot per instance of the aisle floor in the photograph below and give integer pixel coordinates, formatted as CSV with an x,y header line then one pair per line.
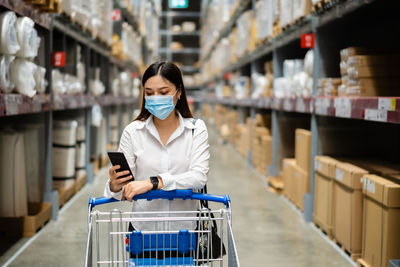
x,y
268,230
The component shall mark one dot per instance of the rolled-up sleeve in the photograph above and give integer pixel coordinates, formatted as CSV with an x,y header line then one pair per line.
x,y
126,147
196,177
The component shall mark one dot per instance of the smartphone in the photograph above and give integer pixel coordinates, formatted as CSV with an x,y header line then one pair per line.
x,y
118,158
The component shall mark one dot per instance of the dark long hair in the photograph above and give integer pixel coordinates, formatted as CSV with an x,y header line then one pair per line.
x,y
173,74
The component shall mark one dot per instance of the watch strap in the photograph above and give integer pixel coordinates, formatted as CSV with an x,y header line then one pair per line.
x,y
154,181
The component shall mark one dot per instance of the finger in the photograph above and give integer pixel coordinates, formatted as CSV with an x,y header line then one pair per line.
x,y
124,181
115,167
123,173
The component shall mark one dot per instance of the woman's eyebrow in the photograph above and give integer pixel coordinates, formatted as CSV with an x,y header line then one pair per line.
x,y
165,87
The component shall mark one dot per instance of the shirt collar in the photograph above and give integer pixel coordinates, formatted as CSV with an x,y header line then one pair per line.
x,y
183,123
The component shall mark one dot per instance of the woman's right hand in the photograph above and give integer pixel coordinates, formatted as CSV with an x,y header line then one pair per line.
x,y
117,183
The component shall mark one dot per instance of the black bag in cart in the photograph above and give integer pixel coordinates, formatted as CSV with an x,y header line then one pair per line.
x,y
203,242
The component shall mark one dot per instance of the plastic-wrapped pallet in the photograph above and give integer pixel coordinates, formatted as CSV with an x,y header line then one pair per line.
x,y
244,24
286,12
64,149
301,8
34,143
13,193
264,19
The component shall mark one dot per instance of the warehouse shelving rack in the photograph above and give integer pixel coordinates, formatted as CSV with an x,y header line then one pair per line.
x,y
377,117
60,34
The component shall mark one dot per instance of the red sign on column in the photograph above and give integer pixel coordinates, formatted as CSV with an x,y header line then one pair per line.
x,y
116,15
307,40
58,59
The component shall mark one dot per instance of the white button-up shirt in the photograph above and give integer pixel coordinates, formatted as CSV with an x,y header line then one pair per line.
x,y
182,164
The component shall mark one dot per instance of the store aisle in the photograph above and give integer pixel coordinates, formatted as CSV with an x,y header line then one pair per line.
x,y
268,231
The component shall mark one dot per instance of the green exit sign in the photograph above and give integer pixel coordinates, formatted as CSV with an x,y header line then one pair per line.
x,y
178,3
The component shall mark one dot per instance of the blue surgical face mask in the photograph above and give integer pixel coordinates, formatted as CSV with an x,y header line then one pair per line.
x,y
160,105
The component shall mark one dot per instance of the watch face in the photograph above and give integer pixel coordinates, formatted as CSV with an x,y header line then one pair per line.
x,y
154,181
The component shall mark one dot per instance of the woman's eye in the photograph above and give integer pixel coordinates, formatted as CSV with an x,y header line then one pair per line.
x,y
164,93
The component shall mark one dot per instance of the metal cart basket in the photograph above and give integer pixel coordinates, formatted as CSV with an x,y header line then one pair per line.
x,y
111,242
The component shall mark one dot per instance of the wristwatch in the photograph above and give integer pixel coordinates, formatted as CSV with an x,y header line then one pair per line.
x,y
154,181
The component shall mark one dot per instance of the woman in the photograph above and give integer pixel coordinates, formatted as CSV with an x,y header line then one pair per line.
x,y
164,146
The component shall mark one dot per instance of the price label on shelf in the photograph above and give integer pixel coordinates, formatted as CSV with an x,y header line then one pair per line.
x,y
387,104
287,105
300,105
376,115
342,107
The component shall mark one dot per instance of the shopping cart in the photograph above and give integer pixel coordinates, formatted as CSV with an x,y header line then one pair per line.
x,y
111,243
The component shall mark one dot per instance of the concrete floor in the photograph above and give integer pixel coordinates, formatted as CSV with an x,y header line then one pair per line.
x,y
268,230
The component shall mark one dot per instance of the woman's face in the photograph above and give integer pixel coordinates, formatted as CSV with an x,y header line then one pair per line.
x,y
157,85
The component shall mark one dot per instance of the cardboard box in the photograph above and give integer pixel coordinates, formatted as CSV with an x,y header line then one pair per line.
x,y
323,202
302,185
348,206
288,174
303,149
325,165
381,220
374,60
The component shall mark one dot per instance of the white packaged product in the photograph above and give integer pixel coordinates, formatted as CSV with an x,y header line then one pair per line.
x,y
58,85
28,38
64,133
96,87
114,120
23,76
13,194
281,87
125,84
188,26
40,80
309,62
97,116
114,136
115,87
80,153
8,35
63,163
6,85
81,131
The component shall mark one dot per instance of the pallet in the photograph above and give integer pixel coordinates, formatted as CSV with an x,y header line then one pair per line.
x,y
65,194
27,226
34,223
326,230
276,183
362,263
80,180
353,256
320,5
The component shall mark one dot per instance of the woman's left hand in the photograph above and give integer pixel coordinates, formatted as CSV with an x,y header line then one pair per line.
x,y
136,188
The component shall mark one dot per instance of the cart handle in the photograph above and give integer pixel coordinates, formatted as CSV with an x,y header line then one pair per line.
x,y
170,195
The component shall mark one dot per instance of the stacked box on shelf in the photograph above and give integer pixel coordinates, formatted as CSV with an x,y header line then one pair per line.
x,y
369,72
381,218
